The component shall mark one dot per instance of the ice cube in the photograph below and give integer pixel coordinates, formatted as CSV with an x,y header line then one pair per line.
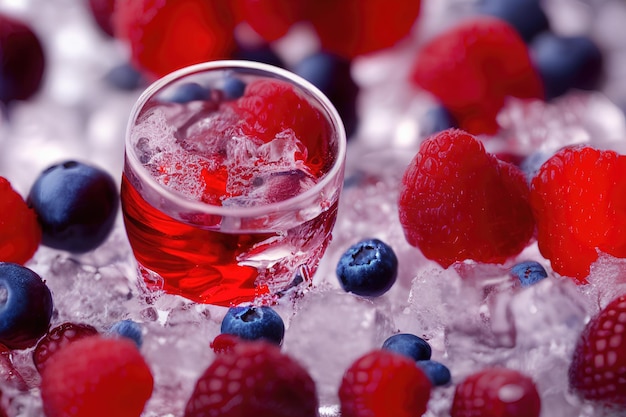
x,y
329,330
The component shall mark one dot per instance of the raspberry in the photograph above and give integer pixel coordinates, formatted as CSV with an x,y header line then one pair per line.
x,y
23,61
496,392
578,197
57,338
384,384
597,369
473,67
253,379
350,28
271,19
271,107
96,377
458,202
167,35
102,13
20,234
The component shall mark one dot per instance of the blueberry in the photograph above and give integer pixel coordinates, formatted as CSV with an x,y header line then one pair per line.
x,y
129,329
22,60
332,75
233,88
531,164
529,272
526,16
435,120
25,306
124,77
566,62
368,268
438,373
261,53
408,345
252,323
76,205
189,91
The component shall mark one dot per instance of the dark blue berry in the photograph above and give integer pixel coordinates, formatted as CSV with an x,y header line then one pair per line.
x,y
124,77
233,88
409,345
22,60
253,323
531,164
25,306
526,16
368,268
438,373
435,120
566,62
260,53
332,75
76,205
529,272
129,329
189,91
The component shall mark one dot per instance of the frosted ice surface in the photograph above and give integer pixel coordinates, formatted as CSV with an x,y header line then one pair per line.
x,y
530,126
329,330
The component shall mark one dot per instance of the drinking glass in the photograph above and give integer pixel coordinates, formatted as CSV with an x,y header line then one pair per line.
x,y
232,175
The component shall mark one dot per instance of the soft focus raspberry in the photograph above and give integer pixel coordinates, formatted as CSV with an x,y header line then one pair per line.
x,y
579,201
22,60
102,12
170,34
350,28
96,377
271,19
458,202
20,234
496,392
384,384
472,69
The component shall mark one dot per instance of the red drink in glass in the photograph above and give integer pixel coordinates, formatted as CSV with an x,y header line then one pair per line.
x,y
230,199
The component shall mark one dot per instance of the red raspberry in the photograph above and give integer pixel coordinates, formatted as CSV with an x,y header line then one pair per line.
x,y
102,12
496,392
271,19
579,200
350,28
597,369
170,34
23,61
473,68
254,379
384,384
458,202
20,234
270,107
57,338
96,377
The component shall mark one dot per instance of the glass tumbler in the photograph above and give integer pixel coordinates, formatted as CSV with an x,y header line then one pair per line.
x,y
232,175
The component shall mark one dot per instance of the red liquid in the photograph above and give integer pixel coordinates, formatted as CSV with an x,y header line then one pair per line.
x,y
207,266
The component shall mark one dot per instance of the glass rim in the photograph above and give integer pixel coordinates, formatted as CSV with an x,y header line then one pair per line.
x,y
230,211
